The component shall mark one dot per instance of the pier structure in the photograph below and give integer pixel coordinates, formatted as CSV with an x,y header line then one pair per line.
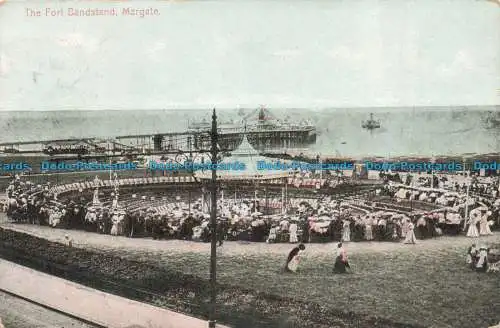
x,y
265,132
262,141
229,140
173,141
75,146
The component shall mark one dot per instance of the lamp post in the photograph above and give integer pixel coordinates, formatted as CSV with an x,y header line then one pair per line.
x,y
282,200
255,198
468,182
433,161
213,226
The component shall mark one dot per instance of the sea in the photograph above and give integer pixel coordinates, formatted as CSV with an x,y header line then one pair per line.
x,y
404,131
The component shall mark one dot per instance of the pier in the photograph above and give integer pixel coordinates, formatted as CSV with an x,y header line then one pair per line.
x,y
149,144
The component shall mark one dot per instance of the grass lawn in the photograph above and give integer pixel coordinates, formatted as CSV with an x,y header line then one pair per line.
x,y
433,290
426,285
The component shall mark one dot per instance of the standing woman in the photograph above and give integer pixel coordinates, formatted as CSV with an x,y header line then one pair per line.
x,y
410,234
472,231
368,228
484,227
272,234
293,233
346,234
341,262
114,228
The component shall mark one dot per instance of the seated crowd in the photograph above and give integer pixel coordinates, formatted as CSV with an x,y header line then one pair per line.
x,y
383,217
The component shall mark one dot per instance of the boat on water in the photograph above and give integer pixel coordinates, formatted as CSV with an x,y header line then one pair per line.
x,y
371,124
264,131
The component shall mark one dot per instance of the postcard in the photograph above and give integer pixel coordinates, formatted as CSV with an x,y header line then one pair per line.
x,y
248,164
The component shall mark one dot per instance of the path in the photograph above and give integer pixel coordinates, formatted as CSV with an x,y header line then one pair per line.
x,y
92,305
18,313
84,239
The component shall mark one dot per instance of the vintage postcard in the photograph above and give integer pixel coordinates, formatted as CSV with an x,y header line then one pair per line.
x,y
250,164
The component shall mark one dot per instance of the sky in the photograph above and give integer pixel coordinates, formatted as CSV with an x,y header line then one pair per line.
x,y
227,54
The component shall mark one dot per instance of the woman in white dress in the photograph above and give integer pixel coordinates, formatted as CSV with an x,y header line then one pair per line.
x,y
272,235
346,235
293,233
410,235
121,223
368,229
114,229
484,227
472,231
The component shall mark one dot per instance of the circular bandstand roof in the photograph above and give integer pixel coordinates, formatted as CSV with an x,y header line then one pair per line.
x,y
248,156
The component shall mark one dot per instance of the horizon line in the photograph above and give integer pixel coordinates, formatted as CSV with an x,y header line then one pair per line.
x,y
428,107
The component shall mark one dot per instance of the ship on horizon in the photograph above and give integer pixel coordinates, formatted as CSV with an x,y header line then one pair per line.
x,y
371,124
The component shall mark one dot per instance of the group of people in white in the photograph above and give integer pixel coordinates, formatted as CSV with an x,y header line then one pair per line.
x,y
478,259
479,217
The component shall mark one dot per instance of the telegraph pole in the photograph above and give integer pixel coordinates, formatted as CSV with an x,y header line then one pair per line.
x,y
213,226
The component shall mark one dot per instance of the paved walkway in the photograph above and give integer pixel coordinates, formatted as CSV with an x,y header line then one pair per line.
x,y
95,306
90,240
18,313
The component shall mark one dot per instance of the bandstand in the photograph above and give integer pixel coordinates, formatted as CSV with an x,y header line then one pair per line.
x,y
251,178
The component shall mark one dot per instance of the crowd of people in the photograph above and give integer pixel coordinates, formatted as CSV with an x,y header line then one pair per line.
x,y
382,216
